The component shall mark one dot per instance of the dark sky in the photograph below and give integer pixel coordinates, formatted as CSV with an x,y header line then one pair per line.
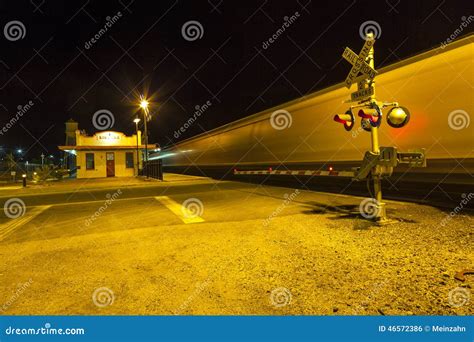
x,y
144,51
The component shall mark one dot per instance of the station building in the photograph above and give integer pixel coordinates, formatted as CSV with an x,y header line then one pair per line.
x,y
104,154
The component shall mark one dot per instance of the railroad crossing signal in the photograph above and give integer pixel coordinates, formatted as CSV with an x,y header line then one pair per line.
x,y
379,162
375,163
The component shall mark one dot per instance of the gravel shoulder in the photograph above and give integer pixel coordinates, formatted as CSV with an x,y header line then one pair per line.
x,y
309,259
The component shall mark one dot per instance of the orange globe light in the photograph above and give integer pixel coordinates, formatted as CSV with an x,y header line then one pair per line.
x,y
398,117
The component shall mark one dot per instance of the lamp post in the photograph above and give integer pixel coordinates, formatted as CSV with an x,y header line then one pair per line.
x,y
144,106
137,120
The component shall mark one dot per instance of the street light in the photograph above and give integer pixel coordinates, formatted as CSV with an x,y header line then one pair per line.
x,y
137,120
144,105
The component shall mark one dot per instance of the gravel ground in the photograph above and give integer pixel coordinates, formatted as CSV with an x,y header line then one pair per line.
x,y
308,259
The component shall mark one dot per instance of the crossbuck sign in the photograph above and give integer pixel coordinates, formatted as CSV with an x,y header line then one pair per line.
x,y
359,65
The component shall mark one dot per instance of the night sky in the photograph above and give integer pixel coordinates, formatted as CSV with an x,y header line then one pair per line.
x,y
54,64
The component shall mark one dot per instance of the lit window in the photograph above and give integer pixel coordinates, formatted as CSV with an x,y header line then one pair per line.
x,y
129,160
90,161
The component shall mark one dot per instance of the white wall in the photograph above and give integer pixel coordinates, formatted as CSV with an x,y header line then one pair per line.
x,y
100,169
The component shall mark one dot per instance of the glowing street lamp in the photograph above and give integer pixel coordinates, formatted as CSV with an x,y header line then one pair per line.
x,y
137,120
144,105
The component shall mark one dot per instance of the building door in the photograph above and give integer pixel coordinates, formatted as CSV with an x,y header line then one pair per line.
x,y
110,158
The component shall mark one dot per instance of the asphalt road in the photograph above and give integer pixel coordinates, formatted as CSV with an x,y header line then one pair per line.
x,y
207,247
70,214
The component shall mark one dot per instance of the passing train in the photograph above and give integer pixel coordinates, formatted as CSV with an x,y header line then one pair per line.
x,y
437,88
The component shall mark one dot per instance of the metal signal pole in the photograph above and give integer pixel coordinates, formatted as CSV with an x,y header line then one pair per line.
x,y
381,215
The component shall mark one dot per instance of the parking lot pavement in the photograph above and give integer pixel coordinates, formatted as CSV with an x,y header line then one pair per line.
x,y
198,246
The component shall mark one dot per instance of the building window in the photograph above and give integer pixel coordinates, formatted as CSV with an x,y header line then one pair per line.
x,y
90,161
129,160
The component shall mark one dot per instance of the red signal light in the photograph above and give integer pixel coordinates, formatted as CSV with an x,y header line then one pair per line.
x,y
347,119
373,114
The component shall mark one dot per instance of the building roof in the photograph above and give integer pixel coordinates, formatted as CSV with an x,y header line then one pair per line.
x,y
103,148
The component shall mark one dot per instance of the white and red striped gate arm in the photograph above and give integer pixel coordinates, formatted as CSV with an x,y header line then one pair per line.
x,y
296,173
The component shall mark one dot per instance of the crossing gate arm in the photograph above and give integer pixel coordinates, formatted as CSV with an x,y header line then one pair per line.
x,y
379,164
349,174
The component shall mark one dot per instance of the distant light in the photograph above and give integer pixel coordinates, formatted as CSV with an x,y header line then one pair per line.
x,y
136,120
270,169
20,150
71,152
23,175
330,168
51,156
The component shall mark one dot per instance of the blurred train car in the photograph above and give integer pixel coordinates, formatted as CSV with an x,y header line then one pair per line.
x,y
436,86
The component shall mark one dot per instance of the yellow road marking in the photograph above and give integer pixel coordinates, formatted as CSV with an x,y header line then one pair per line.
x,y
7,228
184,214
